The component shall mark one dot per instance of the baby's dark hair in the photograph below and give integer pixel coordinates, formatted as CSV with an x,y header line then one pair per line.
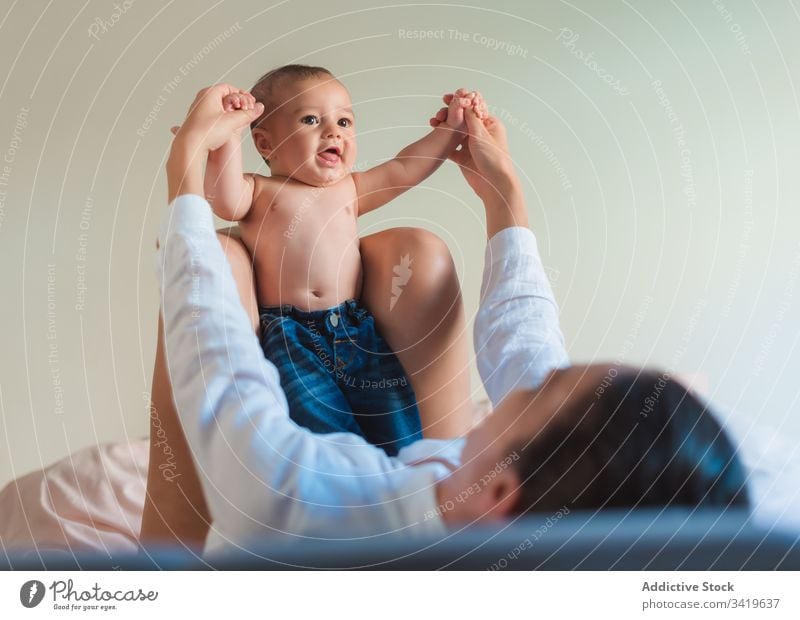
x,y
267,85
641,439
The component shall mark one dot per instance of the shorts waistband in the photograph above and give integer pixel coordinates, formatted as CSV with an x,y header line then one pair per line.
x,y
347,307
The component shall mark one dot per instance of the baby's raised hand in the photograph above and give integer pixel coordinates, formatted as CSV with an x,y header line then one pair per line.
x,y
457,104
238,101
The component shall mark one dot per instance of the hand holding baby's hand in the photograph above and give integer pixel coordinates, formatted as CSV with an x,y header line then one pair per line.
x,y
238,101
457,104
233,99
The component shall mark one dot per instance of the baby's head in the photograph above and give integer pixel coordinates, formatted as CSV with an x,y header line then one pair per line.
x,y
306,131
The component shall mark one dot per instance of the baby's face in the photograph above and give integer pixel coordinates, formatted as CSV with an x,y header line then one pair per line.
x,y
311,133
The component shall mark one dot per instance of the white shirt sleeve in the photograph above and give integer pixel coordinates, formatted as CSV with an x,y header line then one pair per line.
x,y
517,335
261,473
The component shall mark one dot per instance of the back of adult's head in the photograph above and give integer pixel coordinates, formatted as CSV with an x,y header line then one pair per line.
x,y
640,439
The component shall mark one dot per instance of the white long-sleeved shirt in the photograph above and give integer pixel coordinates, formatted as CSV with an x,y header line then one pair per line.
x,y
263,475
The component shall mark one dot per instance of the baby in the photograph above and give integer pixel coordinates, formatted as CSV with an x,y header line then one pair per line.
x,y
299,225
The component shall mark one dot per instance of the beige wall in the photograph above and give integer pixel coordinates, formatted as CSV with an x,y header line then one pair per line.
x,y
661,175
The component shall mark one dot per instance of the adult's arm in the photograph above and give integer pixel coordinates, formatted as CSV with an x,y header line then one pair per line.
x,y
517,336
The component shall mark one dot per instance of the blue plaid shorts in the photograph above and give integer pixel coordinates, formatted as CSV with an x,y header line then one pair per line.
x,y
340,375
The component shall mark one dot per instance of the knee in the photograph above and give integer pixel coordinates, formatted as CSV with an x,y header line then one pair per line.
x,y
428,260
426,249
437,267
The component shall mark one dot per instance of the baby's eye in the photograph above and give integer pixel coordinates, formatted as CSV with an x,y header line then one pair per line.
x,y
309,120
345,122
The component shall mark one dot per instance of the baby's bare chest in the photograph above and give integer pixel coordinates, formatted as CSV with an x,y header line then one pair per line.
x,y
304,213
292,201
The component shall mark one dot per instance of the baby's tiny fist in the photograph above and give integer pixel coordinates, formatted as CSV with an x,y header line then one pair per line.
x,y
479,106
234,101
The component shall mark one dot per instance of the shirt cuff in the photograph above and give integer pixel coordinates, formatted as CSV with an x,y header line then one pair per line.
x,y
511,241
187,213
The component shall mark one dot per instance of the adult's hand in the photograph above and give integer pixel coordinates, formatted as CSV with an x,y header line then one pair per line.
x,y
209,124
484,160
237,100
212,118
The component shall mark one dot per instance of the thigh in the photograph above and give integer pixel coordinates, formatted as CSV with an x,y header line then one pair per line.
x,y
175,510
242,268
411,287
406,270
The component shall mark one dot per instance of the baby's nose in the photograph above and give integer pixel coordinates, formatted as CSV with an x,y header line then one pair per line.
x,y
332,129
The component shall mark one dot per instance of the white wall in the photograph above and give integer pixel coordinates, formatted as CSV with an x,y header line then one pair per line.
x,y
668,217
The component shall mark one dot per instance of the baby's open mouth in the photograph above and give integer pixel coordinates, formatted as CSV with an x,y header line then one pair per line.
x,y
330,156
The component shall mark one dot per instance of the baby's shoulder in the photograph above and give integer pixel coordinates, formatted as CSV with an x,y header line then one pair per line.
x,y
264,187
260,177
260,181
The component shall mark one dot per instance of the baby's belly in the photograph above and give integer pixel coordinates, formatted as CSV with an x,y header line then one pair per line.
x,y
312,265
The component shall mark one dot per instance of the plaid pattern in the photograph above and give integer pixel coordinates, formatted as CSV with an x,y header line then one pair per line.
x,y
340,375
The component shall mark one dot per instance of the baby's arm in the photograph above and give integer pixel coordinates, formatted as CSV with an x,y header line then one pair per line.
x,y
417,161
227,188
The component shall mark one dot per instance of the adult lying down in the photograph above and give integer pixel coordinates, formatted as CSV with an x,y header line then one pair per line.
x,y
559,435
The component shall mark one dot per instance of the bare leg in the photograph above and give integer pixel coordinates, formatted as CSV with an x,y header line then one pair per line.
x,y
424,325
175,510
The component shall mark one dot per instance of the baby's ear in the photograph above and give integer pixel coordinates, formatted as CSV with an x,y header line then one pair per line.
x,y
263,142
